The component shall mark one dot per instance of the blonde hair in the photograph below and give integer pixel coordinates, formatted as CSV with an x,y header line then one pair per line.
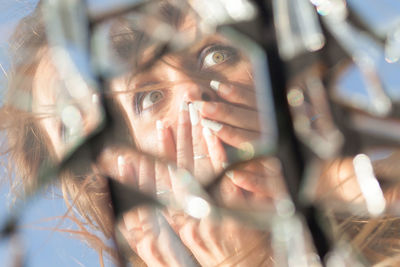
x,y
26,143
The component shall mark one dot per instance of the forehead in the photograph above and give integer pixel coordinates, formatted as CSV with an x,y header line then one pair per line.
x,y
138,35
46,84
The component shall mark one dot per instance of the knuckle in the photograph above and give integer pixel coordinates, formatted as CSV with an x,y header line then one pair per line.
x,y
180,154
189,234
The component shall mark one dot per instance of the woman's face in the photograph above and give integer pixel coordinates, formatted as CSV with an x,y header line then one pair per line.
x,y
209,82
159,92
156,93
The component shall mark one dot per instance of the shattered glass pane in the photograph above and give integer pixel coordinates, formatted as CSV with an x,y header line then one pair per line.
x,y
202,133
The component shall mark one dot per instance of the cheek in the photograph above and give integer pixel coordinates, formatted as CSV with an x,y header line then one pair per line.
x,y
241,72
146,138
145,132
244,73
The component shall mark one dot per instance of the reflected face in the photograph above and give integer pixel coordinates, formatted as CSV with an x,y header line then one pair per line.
x,y
65,113
212,72
158,92
44,104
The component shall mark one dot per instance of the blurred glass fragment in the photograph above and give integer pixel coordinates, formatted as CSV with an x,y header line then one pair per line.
x,y
67,29
297,26
366,54
218,12
292,244
312,118
392,47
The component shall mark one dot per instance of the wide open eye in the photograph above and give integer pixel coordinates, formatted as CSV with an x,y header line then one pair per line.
x,y
215,55
214,58
151,98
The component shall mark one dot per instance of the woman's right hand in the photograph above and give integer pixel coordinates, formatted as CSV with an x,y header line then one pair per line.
x,y
223,241
236,120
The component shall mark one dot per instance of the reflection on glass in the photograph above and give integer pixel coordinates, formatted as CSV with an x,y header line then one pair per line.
x,y
298,28
184,104
188,185
312,117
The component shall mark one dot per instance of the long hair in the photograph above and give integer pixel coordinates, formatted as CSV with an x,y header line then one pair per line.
x,y
27,145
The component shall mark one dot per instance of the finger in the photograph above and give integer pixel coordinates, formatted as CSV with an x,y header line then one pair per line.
x,y
164,250
146,180
144,243
166,145
119,163
175,218
148,250
211,234
126,174
131,220
190,236
184,140
163,183
172,248
147,184
239,117
242,95
215,149
250,181
230,194
166,150
129,236
132,227
232,136
202,166
272,165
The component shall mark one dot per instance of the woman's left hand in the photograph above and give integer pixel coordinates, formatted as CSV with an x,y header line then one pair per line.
x,y
144,227
234,122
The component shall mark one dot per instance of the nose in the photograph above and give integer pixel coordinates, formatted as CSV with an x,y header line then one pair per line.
x,y
199,92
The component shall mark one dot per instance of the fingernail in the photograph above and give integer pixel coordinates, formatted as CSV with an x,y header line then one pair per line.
x,y
194,115
229,174
159,125
121,165
184,106
213,125
198,105
215,85
95,98
206,132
